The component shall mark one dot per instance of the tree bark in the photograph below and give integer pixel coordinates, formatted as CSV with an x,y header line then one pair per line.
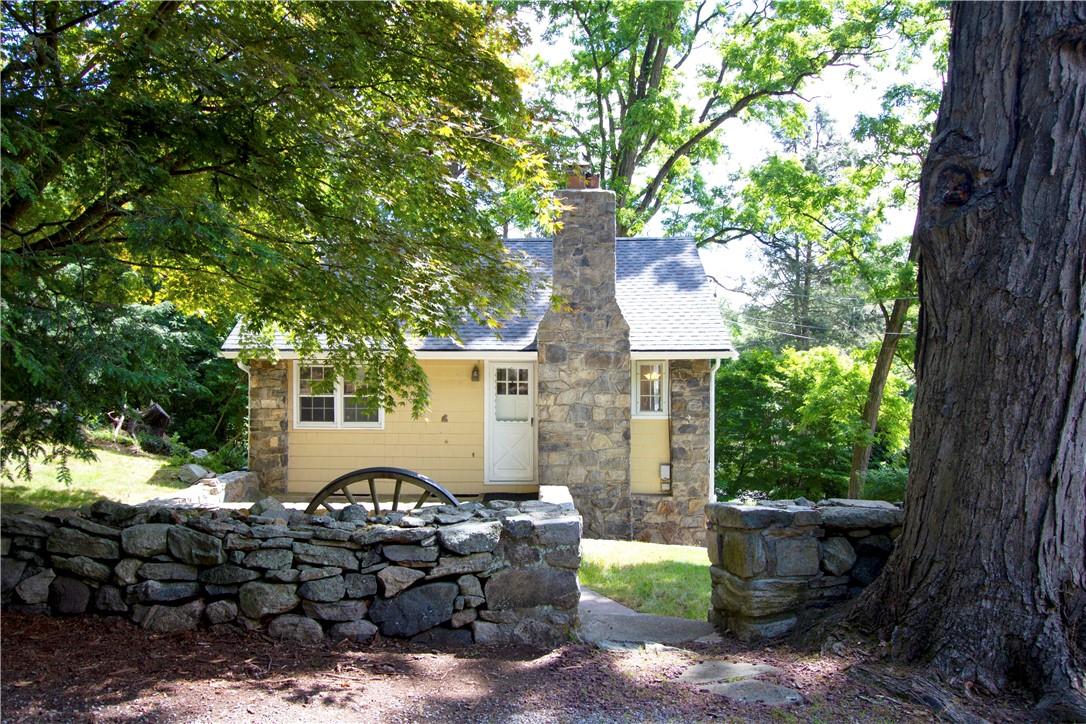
x,y
987,585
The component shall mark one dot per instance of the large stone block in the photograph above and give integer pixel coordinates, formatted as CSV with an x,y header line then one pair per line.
x,y
743,553
259,599
467,538
795,556
415,610
72,542
193,547
758,597
528,587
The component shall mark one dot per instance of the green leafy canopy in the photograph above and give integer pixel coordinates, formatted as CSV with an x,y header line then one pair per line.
x,y
331,171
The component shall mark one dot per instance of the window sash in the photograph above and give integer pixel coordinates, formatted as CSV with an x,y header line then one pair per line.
x,y
347,405
650,388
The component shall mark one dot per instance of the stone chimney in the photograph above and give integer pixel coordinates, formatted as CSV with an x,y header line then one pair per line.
x,y
584,370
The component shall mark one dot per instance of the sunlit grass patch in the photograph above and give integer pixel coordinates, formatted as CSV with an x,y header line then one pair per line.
x,y
649,577
115,475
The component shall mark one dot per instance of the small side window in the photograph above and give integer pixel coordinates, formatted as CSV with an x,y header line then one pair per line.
x,y
650,389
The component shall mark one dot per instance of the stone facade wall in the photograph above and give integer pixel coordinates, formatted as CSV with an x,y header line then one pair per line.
x,y
679,518
268,424
773,561
502,572
583,397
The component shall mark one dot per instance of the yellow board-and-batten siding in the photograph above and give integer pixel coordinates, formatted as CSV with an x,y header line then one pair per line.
x,y
648,449
446,443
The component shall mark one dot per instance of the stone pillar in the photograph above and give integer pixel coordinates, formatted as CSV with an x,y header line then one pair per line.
x,y
584,370
268,424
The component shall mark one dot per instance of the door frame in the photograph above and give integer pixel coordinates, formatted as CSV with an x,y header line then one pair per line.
x,y
488,414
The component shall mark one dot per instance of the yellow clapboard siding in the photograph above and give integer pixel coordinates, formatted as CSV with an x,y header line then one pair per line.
x,y
449,451
648,448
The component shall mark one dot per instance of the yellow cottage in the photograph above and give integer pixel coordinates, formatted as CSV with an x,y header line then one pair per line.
x,y
611,395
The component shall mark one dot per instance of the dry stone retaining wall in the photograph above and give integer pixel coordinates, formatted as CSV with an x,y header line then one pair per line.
x,y
500,572
773,561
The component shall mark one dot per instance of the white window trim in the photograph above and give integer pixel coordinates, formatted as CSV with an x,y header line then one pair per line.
x,y
337,393
635,390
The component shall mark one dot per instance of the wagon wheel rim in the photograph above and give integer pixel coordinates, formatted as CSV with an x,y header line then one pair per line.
x,y
358,485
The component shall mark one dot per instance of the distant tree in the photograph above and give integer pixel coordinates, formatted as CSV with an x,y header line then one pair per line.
x,y
650,87
791,419
987,585
327,170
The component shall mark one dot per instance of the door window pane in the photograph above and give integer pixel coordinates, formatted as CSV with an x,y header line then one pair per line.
x,y
512,401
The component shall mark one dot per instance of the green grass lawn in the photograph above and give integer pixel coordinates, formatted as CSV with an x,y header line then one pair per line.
x,y
115,475
648,577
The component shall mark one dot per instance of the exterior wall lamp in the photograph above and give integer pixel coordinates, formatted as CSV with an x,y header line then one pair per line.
x,y
475,373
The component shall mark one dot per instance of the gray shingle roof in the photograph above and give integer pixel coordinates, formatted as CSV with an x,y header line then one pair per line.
x,y
660,285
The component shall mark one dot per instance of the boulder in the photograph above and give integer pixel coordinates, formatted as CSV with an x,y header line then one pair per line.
x,y
754,598
68,596
72,542
396,578
298,629
866,569
239,486
221,612
467,538
227,574
269,508
171,619
269,559
259,599
409,555
335,611
31,526
109,599
456,565
837,555
325,556
323,589
158,592
146,540
375,534
562,531
359,632
445,638
875,545
83,567
192,472
528,587
198,549
469,586
796,556
125,572
35,588
353,514
89,526
360,585
415,610
164,571
11,572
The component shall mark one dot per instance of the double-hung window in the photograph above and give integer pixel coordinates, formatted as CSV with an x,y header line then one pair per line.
x,y
650,386
326,401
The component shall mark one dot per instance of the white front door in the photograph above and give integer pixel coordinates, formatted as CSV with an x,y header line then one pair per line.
x,y
511,420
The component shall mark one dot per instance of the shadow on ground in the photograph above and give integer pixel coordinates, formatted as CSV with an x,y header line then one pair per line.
x,y
106,668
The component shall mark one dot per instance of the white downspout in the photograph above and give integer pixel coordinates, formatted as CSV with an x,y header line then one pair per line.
x,y
712,430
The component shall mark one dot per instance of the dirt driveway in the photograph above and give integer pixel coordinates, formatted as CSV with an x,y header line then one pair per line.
x,y
92,669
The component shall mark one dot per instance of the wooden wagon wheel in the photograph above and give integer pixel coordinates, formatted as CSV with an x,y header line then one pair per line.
x,y
365,485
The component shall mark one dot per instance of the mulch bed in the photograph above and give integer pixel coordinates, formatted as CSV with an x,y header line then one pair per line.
x,y
106,669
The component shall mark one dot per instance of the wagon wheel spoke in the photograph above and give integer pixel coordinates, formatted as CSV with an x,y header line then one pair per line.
x,y
422,499
373,496
349,496
396,494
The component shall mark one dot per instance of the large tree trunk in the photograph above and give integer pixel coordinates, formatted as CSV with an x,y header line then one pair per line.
x,y
987,585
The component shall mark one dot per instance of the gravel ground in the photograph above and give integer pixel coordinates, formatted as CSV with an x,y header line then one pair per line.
x,y
107,670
